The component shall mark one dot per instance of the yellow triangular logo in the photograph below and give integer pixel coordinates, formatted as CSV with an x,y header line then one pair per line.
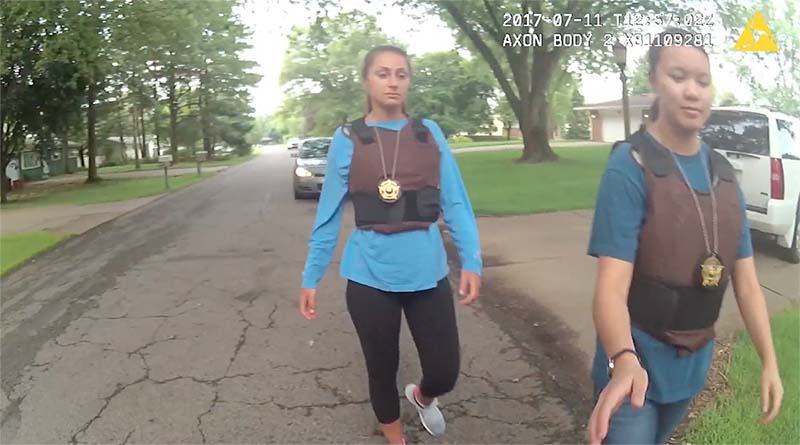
x,y
756,36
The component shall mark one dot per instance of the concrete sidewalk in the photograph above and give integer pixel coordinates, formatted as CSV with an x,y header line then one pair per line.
x,y
77,219
543,257
73,220
81,177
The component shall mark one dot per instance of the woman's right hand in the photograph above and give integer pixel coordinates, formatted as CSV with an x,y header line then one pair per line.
x,y
308,303
628,379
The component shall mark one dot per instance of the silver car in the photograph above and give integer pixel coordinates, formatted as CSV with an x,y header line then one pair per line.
x,y
308,172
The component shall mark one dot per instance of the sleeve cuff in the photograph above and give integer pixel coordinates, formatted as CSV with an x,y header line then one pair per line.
x,y
309,283
598,251
472,265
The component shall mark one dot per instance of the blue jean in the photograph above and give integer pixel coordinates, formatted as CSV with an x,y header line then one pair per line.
x,y
653,423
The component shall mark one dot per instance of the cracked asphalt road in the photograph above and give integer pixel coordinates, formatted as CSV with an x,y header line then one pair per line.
x,y
177,323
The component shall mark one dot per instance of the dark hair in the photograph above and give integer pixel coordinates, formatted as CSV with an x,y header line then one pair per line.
x,y
670,37
369,59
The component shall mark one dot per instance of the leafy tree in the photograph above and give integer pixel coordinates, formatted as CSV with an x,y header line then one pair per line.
x,y
639,81
321,72
781,88
525,73
506,115
578,122
452,91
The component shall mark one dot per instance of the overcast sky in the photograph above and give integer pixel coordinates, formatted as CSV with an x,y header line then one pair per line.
x,y
271,22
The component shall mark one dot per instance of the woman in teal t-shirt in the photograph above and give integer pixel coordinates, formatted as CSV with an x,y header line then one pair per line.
x,y
663,198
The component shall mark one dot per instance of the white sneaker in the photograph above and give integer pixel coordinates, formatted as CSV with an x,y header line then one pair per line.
x,y
430,416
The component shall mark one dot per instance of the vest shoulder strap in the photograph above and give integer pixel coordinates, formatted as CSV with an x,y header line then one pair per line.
x,y
362,131
654,158
420,130
617,144
359,126
721,168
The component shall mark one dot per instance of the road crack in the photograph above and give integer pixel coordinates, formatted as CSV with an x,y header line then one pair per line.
x,y
74,439
128,437
200,417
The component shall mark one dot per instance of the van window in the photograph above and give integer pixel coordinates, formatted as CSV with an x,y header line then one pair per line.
x,y
737,131
788,140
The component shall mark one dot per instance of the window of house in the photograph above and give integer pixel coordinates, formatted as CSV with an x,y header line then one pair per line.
x,y
31,159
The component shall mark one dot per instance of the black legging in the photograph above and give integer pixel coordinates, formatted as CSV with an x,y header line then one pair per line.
x,y
432,320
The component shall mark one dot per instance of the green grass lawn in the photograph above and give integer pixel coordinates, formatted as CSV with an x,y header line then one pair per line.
x,y
107,190
734,416
130,167
499,186
14,249
457,145
126,168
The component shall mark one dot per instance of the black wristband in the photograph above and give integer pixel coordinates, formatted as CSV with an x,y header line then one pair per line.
x,y
613,358
624,351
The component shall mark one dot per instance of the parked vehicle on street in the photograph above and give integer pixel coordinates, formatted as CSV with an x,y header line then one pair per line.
x,y
292,143
308,172
764,148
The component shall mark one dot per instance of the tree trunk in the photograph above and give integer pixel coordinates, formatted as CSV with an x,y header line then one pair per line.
x,y
81,153
535,130
145,151
157,120
91,121
65,152
4,160
173,115
205,121
122,144
136,147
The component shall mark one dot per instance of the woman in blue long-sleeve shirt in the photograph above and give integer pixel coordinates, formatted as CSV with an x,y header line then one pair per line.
x,y
400,174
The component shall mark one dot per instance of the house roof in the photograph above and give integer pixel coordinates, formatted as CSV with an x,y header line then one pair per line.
x,y
638,101
129,139
30,141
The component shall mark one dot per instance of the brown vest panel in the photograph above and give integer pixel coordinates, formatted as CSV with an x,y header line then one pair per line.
x,y
417,172
666,298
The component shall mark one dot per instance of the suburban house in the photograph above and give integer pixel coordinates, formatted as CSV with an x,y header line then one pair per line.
x,y
38,163
607,123
111,150
499,129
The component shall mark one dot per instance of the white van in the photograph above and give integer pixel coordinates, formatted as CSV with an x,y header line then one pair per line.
x,y
764,148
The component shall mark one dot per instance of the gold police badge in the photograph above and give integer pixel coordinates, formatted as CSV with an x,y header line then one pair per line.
x,y
389,190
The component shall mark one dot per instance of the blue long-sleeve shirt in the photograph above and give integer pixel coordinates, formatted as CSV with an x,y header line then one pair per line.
x,y
401,262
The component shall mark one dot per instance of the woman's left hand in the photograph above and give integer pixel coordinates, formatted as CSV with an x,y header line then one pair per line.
x,y
771,393
469,287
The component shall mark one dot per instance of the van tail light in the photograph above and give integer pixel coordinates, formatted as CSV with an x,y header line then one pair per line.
x,y
776,178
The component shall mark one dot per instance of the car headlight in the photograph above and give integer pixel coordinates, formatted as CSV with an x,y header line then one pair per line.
x,y
303,173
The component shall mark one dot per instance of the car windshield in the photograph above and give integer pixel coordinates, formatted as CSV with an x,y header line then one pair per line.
x,y
315,148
